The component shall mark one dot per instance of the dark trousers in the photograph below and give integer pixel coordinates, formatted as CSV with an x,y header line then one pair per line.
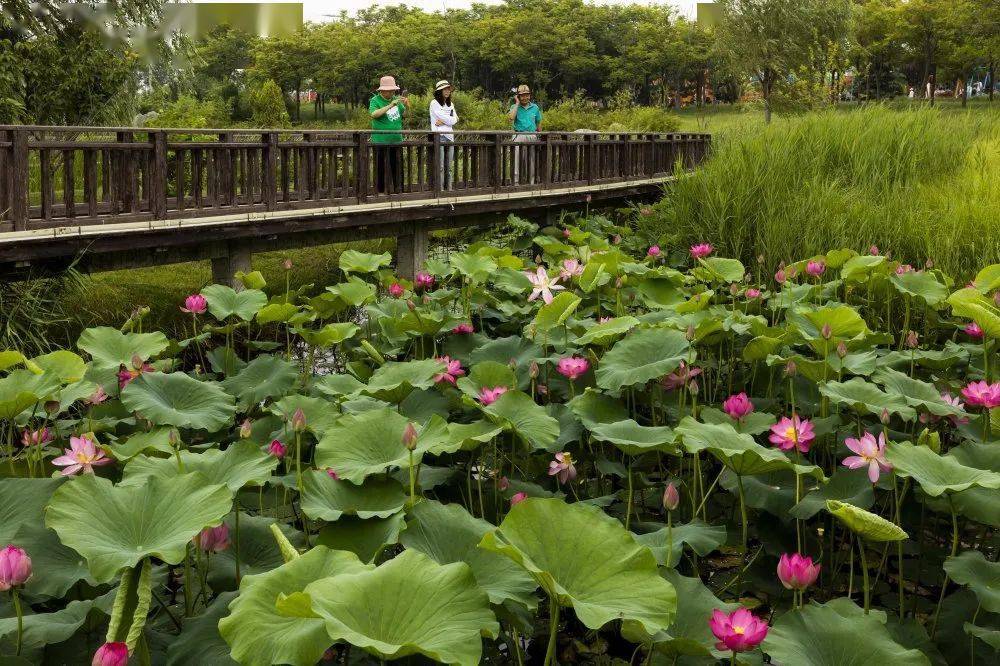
x,y
388,169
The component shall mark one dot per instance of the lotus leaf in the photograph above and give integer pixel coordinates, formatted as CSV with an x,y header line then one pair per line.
x,y
640,357
865,524
935,473
225,302
179,400
328,499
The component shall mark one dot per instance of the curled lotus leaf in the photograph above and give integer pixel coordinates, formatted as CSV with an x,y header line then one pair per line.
x,y
865,524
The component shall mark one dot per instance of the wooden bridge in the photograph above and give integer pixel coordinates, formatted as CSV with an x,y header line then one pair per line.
x,y
111,198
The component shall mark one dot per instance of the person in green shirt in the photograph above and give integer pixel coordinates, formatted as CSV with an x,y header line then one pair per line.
x,y
527,119
386,109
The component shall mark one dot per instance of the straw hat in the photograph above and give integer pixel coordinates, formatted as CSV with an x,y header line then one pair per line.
x,y
387,83
523,90
441,85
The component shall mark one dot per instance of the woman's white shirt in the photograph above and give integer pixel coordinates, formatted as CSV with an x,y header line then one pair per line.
x,y
448,117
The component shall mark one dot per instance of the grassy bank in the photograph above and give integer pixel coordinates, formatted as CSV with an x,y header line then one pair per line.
x,y
921,183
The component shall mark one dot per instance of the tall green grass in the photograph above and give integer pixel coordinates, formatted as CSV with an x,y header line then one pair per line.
x,y
919,183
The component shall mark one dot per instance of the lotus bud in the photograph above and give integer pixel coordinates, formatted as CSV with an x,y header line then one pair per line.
x,y
410,437
587,198
826,331
884,416
671,498
411,305
396,290
841,349
277,449
533,370
111,654
329,654
503,483
538,259
518,498
15,568
760,259
690,332
97,397
333,474
693,388
52,407
542,389
174,438
246,429
287,264
512,363
136,362
929,264
790,368
299,420
780,277
213,539
619,282
873,250
734,289
912,339
616,239
567,233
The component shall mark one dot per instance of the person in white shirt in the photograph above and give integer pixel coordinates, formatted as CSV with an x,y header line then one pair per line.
x,y
443,118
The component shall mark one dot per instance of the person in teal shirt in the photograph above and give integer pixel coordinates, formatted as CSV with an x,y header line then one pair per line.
x,y
386,109
527,119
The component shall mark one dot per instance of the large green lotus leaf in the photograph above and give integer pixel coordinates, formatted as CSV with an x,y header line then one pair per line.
x,y
117,526
200,641
738,451
9,358
41,629
980,309
720,269
921,395
634,439
256,547
701,537
935,473
976,503
329,335
439,437
487,374
859,268
555,313
640,357
846,485
338,385
990,636
277,312
689,634
988,278
242,464
367,443
110,347
352,261
982,576
502,350
320,414
365,538
157,439
474,267
754,423
588,560
834,635
354,292
603,333
225,302
22,502
448,533
179,400
260,635
22,388
409,605
866,397
325,498
595,274
393,381
594,408
517,412
264,377
920,283
843,320
865,524
62,364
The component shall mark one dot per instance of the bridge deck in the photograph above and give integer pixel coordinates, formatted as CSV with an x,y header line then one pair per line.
x,y
161,196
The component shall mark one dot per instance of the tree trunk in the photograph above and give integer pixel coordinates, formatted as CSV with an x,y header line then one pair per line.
x,y
933,83
965,94
298,103
992,82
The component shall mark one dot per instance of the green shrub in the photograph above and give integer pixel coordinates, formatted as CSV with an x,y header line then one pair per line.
x,y
191,112
267,106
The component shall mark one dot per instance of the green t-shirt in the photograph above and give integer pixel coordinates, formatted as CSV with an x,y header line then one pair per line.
x,y
391,120
527,118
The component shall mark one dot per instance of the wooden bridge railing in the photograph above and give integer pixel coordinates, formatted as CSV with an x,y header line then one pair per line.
x,y
55,176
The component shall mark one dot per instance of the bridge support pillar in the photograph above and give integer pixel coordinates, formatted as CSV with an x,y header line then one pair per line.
x,y
411,251
236,259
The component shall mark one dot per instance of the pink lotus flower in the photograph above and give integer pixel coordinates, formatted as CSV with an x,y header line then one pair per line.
x,y
981,394
15,567
869,452
781,277
902,269
570,268
604,320
542,285
797,572
701,250
572,367
452,370
958,404
738,631
97,397
752,293
333,475
82,455
503,483
463,329
973,331
816,268
246,429
671,498
653,251
39,437
423,281
396,290
213,539
873,250
791,433
567,233
299,420
562,467
518,498
680,377
277,449
195,304
737,406
126,375
111,654
488,395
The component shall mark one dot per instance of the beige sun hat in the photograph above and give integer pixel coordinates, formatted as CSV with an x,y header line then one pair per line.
x,y
387,83
441,85
523,90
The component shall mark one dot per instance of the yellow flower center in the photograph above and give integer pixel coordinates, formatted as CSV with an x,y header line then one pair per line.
x,y
790,433
739,630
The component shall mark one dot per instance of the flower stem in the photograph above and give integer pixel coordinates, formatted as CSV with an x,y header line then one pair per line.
x,y
298,461
236,541
20,620
413,482
954,551
670,538
864,574
550,651
628,505
743,512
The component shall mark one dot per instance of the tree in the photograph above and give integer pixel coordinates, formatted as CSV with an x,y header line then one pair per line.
x,y
289,62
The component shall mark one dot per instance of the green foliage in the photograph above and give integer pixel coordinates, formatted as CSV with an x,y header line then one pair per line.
x,y
267,106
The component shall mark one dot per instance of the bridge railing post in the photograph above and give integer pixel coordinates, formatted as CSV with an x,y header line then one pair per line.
x,y
591,158
18,197
361,166
269,168
158,175
545,161
437,176
496,162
